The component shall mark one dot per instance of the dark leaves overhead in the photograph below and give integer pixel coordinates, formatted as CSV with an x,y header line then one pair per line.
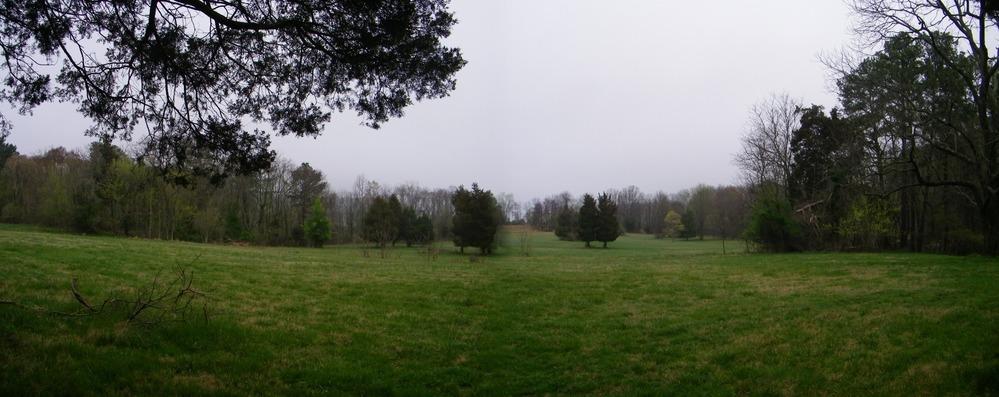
x,y
189,74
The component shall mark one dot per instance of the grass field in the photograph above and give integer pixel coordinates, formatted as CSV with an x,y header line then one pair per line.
x,y
645,317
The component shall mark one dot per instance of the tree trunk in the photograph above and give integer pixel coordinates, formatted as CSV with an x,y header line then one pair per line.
x,y
605,244
587,244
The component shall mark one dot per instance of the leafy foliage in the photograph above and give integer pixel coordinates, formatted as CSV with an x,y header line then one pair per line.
x,y
381,222
608,228
589,220
190,72
476,219
772,224
567,224
673,225
317,225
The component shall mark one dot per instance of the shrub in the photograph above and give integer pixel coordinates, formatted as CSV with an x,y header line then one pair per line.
x,y
772,224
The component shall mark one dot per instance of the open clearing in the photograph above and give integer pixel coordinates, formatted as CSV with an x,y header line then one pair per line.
x,y
643,317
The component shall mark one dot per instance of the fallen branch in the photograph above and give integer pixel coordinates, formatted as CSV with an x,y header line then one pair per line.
x,y
153,303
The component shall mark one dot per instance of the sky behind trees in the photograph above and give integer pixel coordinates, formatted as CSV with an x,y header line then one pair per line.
x,y
572,95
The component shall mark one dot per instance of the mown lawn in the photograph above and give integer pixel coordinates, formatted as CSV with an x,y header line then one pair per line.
x,y
645,317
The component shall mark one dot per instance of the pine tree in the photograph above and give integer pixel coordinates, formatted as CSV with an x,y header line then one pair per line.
x,y
397,213
317,226
608,228
690,224
567,224
476,220
407,226
423,230
380,222
461,201
588,220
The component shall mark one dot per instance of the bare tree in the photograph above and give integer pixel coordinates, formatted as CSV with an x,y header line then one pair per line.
x,y
766,148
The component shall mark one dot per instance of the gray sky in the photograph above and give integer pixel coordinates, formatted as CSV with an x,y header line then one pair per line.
x,y
572,95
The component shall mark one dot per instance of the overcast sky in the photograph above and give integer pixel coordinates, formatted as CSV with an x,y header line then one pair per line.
x,y
572,95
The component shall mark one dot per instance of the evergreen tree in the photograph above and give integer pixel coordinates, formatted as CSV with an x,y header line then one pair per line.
x,y
380,222
317,226
233,227
6,149
567,224
477,219
608,228
772,224
423,230
589,220
462,220
689,221
395,208
407,226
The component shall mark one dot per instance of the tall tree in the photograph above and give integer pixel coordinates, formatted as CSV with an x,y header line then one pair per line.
x,y
567,224
380,222
477,219
766,147
608,227
189,72
933,24
317,225
399,216
7,149
589,220
463,219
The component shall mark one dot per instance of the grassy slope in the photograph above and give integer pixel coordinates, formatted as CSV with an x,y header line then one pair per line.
x,y
644,317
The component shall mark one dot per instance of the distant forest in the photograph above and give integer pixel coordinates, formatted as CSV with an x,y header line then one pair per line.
x,y
105,190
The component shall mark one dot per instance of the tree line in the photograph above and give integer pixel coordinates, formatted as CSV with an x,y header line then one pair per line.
x,y
106,190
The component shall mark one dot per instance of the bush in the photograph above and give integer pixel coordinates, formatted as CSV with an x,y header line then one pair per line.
x,y
772,224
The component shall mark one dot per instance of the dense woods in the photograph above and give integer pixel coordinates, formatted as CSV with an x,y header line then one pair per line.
x,y
910,157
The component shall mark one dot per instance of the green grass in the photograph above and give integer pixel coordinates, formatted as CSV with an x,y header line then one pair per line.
x,y
645,317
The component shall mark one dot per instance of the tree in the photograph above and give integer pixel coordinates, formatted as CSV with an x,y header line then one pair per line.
x,y
399,215
567,224
972,142
589,220
608,228
690,225
772,225
673,225
380,223
307,184
463,218
317,226
7,149
189,72
699,208
423,231
477,219
766,147
730,211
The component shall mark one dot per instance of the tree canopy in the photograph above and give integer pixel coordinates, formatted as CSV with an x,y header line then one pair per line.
x,y
189,74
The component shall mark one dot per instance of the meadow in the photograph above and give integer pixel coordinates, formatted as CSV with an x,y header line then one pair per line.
x,y
644,317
